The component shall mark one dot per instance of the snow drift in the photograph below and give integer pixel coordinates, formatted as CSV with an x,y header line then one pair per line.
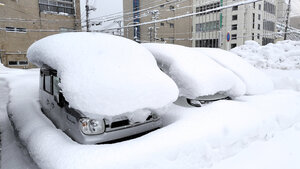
x,y
192,138
256,81
195,74
282,55
104,74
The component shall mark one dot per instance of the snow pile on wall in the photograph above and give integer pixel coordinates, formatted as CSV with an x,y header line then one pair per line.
x,y
255,80
195,74
194,137
282,55
104,74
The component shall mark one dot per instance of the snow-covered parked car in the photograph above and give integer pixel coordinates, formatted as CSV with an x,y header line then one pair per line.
x,y
99,88
199,78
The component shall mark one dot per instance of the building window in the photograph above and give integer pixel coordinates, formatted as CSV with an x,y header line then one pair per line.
x,y
233,37
253,5
259,6
268,25
172,25
267,40
207,7
234,27
258,26
211,43
136,16
18,63
10,29
172,8
12,63
235,8
234,17
62,6
233,45
252,36
23,62
258,36
270,8
258,17
13,29
208,26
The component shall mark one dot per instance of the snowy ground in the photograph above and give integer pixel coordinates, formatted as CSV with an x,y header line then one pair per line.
x,y
12,154
223,134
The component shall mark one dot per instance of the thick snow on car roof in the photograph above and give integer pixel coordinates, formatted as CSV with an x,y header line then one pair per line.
x,y
104,74
195,74
255,80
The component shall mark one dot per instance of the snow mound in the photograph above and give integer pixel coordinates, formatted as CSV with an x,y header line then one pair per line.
x,y
255,80
195,74
282,55
104,74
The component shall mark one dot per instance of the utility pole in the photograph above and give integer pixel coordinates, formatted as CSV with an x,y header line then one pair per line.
x,y
87,9
287,19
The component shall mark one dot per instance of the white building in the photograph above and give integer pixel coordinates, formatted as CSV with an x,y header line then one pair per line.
x,y
233,26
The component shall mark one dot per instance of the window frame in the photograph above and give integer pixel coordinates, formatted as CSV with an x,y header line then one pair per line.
x,y
51,83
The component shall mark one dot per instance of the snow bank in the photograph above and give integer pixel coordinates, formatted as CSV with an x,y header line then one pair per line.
x,y
195,74
12,153
282,55
104,74
255,80
192,138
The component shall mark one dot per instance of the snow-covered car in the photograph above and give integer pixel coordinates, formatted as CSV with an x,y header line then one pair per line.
x,y
99,88
199,78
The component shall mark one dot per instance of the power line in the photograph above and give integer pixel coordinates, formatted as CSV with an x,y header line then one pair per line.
x,y
188,15
138,11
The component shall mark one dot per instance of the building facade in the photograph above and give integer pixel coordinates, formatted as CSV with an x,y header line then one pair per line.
x,y
231,27
223,28
177,31
24,22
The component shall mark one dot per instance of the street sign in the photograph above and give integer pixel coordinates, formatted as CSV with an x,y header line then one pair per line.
x,y
228,37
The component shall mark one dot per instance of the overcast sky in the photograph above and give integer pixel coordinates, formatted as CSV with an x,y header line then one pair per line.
x,y
104,7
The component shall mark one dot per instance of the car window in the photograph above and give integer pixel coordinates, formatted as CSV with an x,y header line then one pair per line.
x,y
48,83
56,88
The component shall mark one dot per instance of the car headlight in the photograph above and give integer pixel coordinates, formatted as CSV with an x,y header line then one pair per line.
x,y
91,126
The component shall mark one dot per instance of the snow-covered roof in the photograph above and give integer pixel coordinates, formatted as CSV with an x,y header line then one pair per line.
x,y
104,74
255,80
194,73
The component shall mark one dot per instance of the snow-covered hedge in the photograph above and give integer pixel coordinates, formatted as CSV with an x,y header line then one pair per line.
x,y
104,74
281,55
